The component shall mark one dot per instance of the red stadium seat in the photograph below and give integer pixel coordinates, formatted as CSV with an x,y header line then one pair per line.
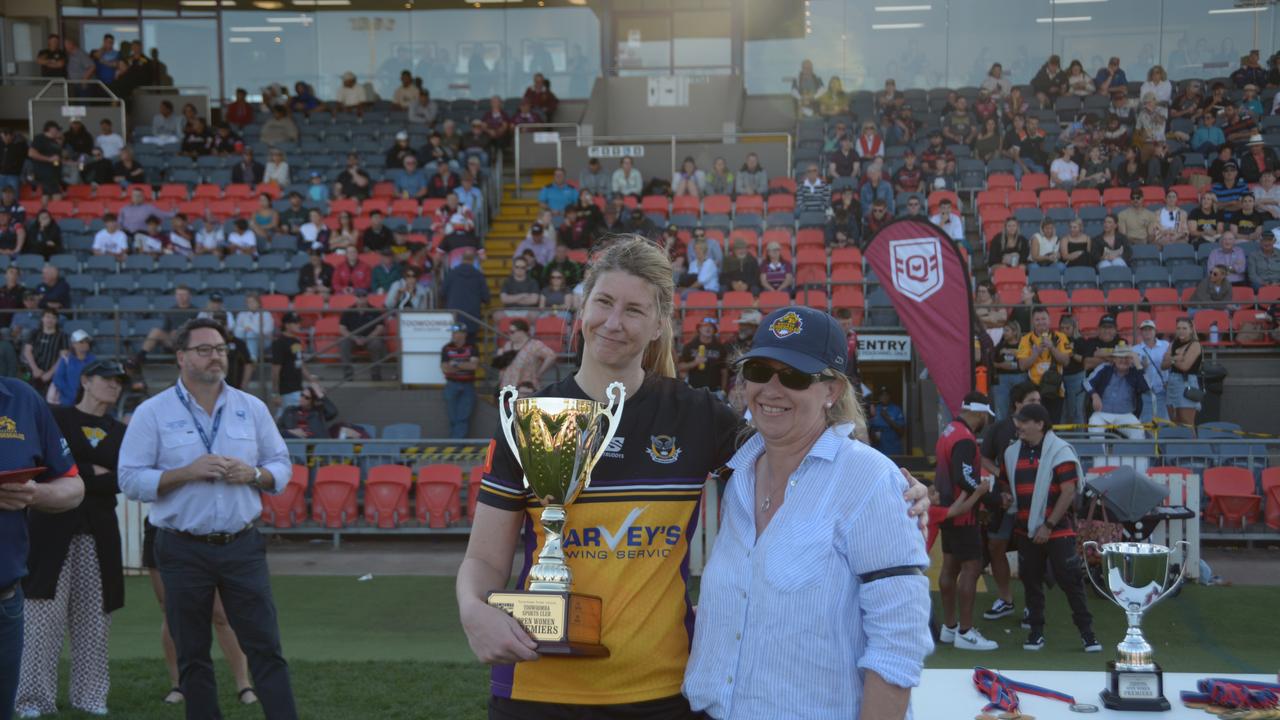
x,y
60,208
782,183
782,202
717,205
749,204
275,303
1034,182
654,205
173,191
1233,501
384,189
991,199
309,308
439,501
207,191
1204,321
1054,198
1243,295
1269,294
738,300
1115,197
344,205
1186,194
550,329
846,256
333,498
1010,277
288,508
241,191
405,207
1271,496
1085,197
816,299
1019,199
341,302
686,205
771,300
1166,319
1152,194
938,196
815,238
810,274
811,256
1001,181
88,210
386,495
701,302
79,192
1163,296
1252,327
474,477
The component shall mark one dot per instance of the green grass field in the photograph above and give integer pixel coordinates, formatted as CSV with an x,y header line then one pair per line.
x,y
392,648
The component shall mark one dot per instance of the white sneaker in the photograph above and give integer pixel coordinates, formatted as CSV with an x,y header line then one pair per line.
x,y
973,640
947,634
28,713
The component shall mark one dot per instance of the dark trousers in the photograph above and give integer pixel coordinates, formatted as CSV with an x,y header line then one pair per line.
x,y
10,652
459,403
191,571
1068,570
675,707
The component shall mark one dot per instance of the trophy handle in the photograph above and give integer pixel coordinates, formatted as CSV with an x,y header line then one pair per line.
x,y
617,395
507,418
1093,581
1182,574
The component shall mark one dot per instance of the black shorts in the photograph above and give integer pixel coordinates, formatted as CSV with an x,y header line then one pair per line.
x,y
675,707
148,544
964,542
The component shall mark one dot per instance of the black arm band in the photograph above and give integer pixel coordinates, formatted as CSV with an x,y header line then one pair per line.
x,y
871,577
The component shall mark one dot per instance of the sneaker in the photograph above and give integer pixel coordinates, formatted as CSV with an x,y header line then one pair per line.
x,y
1034,641
947,634
1091,644
999,609
973,640
1025,614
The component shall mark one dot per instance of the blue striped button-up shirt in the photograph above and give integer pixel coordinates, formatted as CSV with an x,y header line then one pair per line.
x,y
784,626
162,437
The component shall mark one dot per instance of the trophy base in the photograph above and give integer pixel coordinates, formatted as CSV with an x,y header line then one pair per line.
x,y
565,624
1136,691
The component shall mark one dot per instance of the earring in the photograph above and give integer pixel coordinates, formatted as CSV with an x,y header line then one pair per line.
x,y
827,406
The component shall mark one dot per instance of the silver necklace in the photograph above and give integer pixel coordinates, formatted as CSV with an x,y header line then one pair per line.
x,y
768,499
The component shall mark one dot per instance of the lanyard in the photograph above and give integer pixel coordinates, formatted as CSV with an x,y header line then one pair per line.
x,y
1002,691
208,438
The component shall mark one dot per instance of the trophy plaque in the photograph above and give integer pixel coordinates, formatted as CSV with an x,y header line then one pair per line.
x,y
1137,577
557,442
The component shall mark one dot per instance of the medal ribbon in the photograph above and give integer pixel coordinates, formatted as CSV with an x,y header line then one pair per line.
x,y
1232,693
1002,691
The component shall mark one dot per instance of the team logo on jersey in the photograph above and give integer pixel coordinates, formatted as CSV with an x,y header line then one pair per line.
x,y
786,326
917,267
93,435
663,449
614,448
630,540
9,429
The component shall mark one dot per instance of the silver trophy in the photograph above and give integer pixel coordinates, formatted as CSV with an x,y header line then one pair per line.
x,y
1137,577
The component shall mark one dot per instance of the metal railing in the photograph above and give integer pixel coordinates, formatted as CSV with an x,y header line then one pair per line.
x,y
530,130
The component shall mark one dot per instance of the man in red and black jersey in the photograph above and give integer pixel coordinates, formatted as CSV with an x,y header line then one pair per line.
x,y
1038,477
459,361
960,487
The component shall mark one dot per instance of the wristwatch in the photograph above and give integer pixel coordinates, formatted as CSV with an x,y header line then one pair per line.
x,y
257,478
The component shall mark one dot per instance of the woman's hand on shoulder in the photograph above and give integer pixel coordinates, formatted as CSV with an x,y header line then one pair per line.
x,y
918,495
495,637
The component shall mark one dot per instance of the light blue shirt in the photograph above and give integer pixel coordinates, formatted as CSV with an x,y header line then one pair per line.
x,y
162,437
785,628
558,197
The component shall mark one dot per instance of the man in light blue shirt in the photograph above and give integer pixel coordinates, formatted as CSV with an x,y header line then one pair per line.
x,y
558,195
411,182
200,452
469,195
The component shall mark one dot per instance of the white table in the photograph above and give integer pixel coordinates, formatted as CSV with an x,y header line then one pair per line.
x,y
950,695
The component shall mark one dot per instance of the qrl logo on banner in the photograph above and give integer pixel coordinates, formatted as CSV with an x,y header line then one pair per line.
x,y
917,267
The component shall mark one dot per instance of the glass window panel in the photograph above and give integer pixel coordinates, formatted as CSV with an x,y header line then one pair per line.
x,y
777,43
644,43
1004,32
702,41
1201,43
373,45
1128,30
256,54
462,53
188,47
909,46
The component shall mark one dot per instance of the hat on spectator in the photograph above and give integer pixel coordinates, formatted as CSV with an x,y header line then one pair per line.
x,y
1122,349
80,336
1148,323
709,321
1230,165
215,297
536,229
1255,139
402,135
1109,320
315,174
104,368
457,327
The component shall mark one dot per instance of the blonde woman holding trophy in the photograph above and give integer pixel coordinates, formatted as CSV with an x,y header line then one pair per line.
x,y
625,539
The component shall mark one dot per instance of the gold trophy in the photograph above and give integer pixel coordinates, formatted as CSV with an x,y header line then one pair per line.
x,y
557,442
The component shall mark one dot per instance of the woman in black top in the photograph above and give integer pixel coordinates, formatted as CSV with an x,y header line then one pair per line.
x,y
76,576
78,139
1204,224
1110,248
45,237
1009,248
1247,223
1077,247
44,346
1183,363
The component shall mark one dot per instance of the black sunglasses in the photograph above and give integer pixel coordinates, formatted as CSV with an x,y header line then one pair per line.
x,y
757,371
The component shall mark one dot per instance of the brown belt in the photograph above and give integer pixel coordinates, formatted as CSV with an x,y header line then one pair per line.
x,y
213,538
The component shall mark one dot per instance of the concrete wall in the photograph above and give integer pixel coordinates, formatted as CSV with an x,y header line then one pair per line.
x,y
714,104
768,113
30,8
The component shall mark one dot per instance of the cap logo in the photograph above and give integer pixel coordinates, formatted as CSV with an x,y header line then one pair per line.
x,y
917,267
786,326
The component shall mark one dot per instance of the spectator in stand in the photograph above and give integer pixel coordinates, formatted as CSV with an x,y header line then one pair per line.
x,y
353,182
442,183
13,155
466,290
1205,224
557,295
1250,102
1207,137
844,162
96,169
11,295
775,272
1237,125
563,263
957,126
950,222
242,240
1230,191
53,289
344,235
536,241
1171,223
1077,248
1158,85
225,142
523,359
254,326
1211,292
1151,351
317,187
833,100
28,320
813,195
1183,362
935,151
406,293
1110,248
1078,82
316,277
456,224
152,240
558,195
266,219
1256,159
887,423
43,238
310,417
477,141
459,361
166,123
66,373
689,180
1264,265
210,238
1008,247
1040,351
363,327
1110,76
248,171
540,97
719,178
44,347
626,180
351,97
909,178
13,236
987,144
525,115
133,216
406,95
751,178
1023,145
377,237
288,369
294,216
9,201
497,123
108,140
704,271
399,151
411,182
385,273
78,140
352,275
424,110
314,233
436,153
45,153
1152,121
1117,390
1050,81
1136,223
996,83
1046,249
870,144
238,112
1064,171
520,292
1247,224
873,221
845,224
1008,373
277,169
1231,256
126,170
111,240
279,129
197,141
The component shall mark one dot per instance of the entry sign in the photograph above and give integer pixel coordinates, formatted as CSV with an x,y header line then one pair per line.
x,y
74,111
884,348
615,151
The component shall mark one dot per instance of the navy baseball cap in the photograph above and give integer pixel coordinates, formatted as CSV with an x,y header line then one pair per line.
x,y
806,339
104,368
